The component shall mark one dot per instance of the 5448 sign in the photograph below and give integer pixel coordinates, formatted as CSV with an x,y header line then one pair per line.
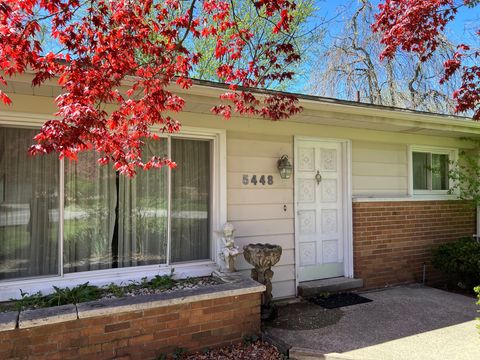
x,y
258,179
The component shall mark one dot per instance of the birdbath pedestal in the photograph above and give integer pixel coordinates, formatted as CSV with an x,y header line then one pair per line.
x,y
263,257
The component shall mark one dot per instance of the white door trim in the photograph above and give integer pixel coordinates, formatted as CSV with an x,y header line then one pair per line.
x,y
347,203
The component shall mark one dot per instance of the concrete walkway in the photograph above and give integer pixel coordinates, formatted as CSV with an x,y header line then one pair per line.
x,y
408,322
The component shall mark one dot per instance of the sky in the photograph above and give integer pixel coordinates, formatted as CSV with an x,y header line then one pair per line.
x,y
462,29
466,17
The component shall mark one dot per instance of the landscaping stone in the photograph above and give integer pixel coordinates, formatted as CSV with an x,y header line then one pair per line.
x,y
191,319
142,302
8,320
194,283
45,316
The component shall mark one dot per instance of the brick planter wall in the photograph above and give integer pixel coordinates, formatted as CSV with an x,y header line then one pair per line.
x,y
148,330
392,240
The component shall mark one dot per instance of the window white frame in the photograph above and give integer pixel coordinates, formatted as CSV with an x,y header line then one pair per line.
x,y
9,288
429,194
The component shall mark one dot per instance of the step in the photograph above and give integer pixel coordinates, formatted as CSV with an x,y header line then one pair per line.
x,y
333,285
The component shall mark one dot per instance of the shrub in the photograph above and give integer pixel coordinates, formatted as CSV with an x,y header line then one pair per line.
x,y
460,261
115,290
75,295
161,282
464,173
30,301
86,292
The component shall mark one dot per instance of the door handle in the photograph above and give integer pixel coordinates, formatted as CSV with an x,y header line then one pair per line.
x,y
318,177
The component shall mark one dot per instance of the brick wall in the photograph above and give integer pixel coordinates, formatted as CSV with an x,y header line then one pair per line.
x,y
392,240
143,334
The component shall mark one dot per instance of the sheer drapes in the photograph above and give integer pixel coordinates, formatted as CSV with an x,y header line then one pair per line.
x,y
109,220
97,234
440,164
420,170
143,213
89,214
190,209
28,208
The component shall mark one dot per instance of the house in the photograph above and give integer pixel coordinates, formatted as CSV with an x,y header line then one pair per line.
x,y
362,202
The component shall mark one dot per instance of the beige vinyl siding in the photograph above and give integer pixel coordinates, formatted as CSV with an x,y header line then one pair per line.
x,y
257,211
379,169
379,165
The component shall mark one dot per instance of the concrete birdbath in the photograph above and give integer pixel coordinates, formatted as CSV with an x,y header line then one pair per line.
x,y
263,257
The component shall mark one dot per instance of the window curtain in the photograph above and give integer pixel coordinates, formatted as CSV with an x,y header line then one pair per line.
x,y
440,164
190,208
143,210
89,214
111,220
29,211
420,170
430,171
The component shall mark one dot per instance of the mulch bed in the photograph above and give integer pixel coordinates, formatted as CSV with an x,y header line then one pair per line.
x,y
339,300
257,350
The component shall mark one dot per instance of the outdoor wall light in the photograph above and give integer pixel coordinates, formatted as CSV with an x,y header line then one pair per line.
x,y
284,167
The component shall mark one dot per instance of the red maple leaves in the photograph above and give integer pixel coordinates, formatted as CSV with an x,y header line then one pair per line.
x,y
116,60
416,26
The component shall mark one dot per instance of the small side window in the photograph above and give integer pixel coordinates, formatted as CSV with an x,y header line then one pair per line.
x,y
430,170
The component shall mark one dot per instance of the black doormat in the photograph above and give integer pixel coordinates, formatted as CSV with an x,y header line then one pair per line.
x,y
338,300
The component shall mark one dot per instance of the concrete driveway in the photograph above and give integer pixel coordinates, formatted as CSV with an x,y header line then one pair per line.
x,y
407,322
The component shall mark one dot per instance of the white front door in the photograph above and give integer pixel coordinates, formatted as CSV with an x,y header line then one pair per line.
x,y
320,210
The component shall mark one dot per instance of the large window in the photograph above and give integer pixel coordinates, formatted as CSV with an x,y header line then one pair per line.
x,y
430,167
109,221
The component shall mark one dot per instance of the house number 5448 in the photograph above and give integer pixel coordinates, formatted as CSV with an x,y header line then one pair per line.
x,y
257,179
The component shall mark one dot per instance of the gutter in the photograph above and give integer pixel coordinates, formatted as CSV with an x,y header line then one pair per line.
x,y
412,120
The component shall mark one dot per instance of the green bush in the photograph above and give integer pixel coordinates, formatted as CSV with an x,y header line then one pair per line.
x,y
75,295
28,301
460,261
86,292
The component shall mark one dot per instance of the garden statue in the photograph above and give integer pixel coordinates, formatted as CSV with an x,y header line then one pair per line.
x,y
229,251
263,257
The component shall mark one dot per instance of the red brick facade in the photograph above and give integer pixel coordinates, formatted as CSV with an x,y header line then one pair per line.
x,y
392,240
139,334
